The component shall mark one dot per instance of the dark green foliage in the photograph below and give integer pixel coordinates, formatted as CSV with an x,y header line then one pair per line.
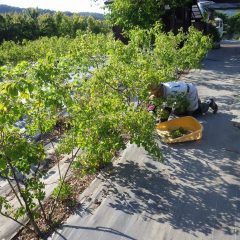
x,y
213,32
31,25
139,13
223,16
234,26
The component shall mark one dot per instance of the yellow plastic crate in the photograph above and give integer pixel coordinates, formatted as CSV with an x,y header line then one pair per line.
x,y
189,123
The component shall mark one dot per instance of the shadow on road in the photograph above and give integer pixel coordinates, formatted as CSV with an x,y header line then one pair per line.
x,y
190,205
98,229
224,60
199,193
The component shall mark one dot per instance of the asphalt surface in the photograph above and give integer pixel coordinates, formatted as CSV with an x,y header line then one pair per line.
x,y
195,194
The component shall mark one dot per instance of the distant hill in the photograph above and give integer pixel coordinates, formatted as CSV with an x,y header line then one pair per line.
x,y
10,9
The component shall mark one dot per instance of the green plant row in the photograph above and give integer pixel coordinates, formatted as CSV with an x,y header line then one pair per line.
x,y
12,53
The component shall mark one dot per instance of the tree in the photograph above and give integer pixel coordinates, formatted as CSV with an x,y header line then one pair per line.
x,y
21,157
63,24
139,13
2,28
79,24
20,26
31,17
234,23
47,25
17,154
92,25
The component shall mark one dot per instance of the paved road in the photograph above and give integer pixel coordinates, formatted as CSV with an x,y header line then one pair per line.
x,y
195,194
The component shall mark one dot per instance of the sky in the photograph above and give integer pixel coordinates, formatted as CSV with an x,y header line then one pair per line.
x,y
58,5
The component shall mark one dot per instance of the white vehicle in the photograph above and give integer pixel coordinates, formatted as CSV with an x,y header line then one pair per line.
x,y
219,26
204,7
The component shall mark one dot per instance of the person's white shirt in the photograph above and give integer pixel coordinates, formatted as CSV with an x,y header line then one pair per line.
x,y
173,88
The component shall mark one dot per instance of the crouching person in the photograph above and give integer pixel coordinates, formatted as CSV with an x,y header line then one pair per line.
x,y
172,91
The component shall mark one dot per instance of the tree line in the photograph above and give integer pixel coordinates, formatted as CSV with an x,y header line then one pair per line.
x,y
31,25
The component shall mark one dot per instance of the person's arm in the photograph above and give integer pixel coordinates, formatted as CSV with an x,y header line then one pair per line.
x,y
165,113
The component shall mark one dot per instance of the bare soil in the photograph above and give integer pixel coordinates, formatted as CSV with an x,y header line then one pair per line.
x,y
62,211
